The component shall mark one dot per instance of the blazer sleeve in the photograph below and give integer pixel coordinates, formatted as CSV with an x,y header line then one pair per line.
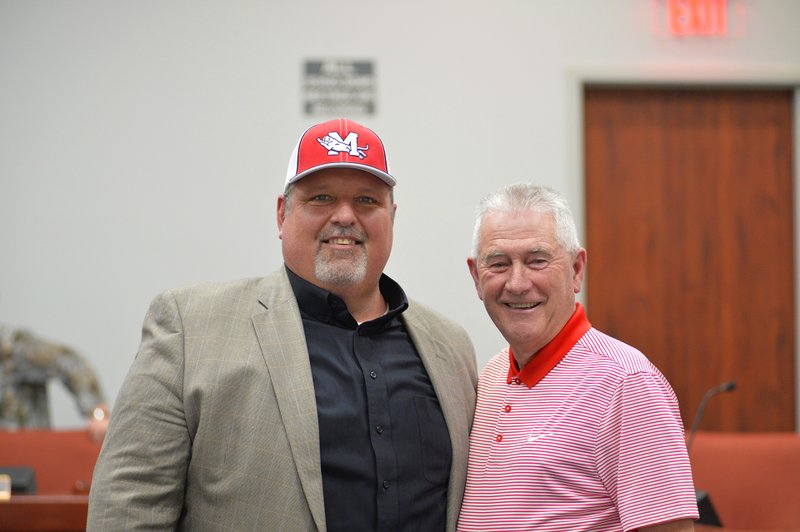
x,y
140,475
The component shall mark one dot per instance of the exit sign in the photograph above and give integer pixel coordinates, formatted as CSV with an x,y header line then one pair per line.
x,y
697,17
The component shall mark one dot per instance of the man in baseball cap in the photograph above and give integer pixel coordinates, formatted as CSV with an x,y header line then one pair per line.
x,y
317,398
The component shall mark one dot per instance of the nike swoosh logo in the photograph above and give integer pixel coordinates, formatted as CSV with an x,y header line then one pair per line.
x,y
534,437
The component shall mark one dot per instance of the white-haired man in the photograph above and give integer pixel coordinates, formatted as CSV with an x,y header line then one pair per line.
x,y
573,429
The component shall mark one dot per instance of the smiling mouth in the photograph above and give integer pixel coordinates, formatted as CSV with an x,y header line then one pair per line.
x,y
340,241
522,306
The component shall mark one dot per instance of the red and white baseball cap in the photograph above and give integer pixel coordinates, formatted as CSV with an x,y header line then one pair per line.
x,y
339,143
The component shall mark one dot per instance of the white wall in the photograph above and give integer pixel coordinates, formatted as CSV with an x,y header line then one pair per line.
x,y
143,144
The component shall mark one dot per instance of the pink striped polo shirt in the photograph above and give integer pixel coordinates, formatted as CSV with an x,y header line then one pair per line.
x,y
596,444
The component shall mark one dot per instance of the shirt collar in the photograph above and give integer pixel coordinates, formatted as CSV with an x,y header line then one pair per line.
x,y
326,307
550,355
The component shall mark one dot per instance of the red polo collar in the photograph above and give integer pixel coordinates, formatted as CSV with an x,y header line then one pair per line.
x,y
550,355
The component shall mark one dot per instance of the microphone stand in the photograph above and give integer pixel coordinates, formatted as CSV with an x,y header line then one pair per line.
x,y
722,388
708,516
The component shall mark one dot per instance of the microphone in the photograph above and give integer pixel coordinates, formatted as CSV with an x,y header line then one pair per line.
x,y
722,388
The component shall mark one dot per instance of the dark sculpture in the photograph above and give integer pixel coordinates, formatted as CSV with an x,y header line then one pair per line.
x,y
26,364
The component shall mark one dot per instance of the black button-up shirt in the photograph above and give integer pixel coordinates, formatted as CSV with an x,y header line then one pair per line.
x,y
384,445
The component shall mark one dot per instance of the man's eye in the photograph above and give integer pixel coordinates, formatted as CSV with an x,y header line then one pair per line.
x,y
497,266
321,198
366,200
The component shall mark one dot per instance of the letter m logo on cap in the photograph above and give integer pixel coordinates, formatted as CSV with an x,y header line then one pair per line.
x,y
339,143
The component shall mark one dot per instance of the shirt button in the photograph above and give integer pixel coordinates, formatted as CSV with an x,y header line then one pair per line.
x,y
507,408
499,438
379,429
373,374
386,484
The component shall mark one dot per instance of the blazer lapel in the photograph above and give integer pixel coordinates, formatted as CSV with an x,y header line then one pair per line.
x,y
279,329
454,404
434,357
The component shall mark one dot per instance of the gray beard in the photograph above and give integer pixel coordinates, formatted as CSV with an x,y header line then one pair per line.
x,y
341,270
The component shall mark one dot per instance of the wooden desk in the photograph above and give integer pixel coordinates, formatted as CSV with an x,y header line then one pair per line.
x,y
62,513
63,462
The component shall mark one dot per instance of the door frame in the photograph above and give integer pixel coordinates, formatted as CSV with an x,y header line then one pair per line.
x,y
671,76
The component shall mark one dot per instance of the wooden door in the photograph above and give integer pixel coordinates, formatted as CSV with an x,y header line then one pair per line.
x,y
689,213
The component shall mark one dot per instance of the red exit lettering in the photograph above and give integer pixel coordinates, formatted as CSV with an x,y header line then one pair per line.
x,y
697,17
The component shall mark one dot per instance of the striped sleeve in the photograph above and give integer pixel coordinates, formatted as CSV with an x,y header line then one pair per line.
x,y
641,453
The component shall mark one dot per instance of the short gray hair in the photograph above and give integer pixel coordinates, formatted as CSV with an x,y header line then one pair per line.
x,y
521,197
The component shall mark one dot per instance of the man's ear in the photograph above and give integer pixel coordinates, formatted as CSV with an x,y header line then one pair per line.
x,y
578,270
281,214
473,270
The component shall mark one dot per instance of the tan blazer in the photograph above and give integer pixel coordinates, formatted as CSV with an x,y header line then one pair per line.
x,y
215,427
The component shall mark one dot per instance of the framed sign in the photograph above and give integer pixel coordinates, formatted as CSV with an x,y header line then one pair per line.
x,y
343,87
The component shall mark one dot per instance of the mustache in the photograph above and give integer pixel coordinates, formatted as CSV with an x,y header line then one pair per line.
x,y
342,232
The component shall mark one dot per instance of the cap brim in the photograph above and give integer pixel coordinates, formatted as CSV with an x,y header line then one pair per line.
x,y
383,176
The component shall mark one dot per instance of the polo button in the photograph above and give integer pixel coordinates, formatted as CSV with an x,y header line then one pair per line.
x,y
373,374
386,484
379,429
499,438
507,408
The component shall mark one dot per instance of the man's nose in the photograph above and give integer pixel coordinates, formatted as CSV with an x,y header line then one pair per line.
x,y
343,214
518,281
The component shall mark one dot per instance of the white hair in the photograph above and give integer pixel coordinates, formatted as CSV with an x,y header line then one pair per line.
x,y
520,197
